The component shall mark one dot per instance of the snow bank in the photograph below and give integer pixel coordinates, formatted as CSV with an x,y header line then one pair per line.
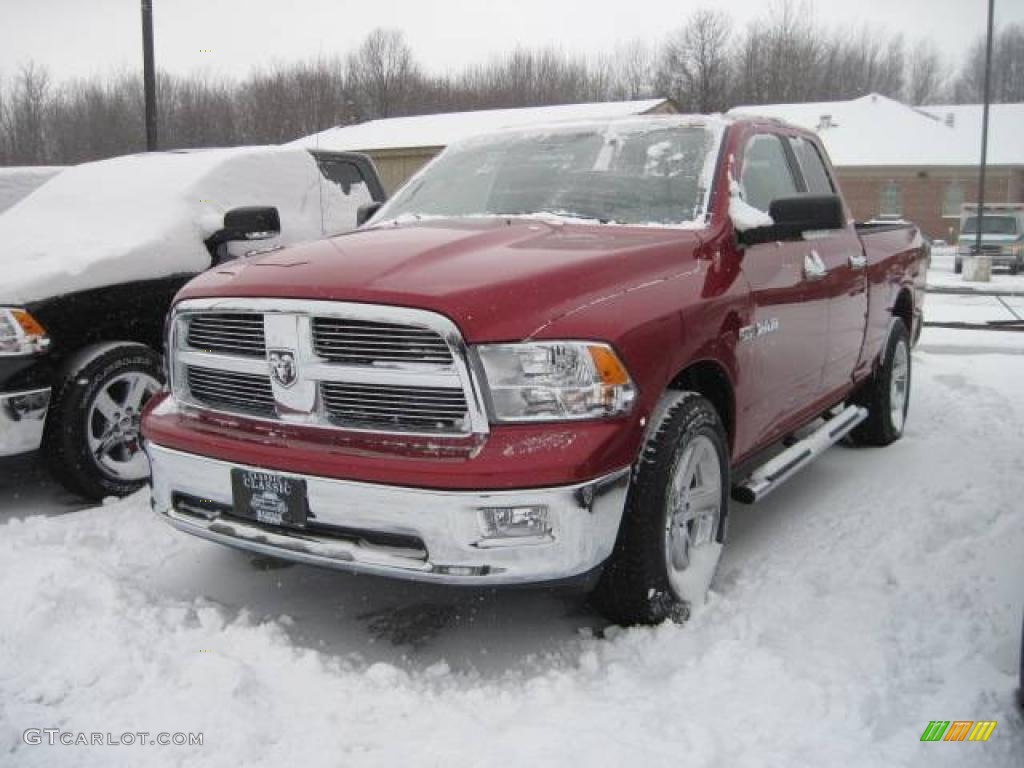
x,y
145,216
880,589
17,182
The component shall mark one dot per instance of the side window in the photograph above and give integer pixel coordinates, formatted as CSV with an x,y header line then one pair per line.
x,y
953,199
812,167
344,191
890,202
766,173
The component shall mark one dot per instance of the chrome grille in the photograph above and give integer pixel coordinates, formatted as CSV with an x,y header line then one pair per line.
x,y
340,365
361,342
233,333
245,392
415,409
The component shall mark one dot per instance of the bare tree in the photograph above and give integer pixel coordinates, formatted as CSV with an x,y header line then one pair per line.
x,y
694,67
778,57
1007,68
784,56
926,74
26,123
383,73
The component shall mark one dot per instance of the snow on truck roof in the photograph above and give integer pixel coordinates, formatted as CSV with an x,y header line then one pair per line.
x,y
878,131
145,216
440,130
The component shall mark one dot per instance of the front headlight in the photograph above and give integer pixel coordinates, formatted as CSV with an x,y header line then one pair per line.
x,y
555,380
20,333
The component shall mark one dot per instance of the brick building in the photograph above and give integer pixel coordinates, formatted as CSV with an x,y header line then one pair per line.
x,y
917,163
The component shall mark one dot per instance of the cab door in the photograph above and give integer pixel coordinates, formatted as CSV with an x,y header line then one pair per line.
x,y
785,338
844,280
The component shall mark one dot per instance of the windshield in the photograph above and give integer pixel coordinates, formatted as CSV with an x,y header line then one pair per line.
x,y
637,172
993,225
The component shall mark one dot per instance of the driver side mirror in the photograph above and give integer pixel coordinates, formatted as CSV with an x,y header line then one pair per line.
x,y
250,223
792,216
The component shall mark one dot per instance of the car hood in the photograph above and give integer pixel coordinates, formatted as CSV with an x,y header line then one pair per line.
x,y
498,279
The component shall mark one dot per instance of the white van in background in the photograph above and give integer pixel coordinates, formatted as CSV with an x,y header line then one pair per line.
x,y
1002,235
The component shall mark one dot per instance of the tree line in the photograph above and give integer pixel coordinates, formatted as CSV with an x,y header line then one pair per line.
x,y
707,64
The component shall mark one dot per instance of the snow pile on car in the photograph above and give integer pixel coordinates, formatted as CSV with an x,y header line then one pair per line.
x,y
19,181
146,216
877,591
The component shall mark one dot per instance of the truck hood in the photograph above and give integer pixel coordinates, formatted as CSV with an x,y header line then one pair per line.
x,y
498,279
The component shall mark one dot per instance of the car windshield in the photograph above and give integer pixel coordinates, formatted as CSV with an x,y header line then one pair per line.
x,y
993,225
635,172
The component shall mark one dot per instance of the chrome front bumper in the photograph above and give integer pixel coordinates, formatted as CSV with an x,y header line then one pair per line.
x,y
368,528
22,417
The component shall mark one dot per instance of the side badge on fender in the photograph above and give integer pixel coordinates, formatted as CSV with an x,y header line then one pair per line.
x,y
760,328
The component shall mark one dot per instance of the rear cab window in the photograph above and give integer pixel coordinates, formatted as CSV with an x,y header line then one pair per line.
x,y
816,176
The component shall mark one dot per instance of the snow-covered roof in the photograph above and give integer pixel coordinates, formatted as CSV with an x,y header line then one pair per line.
x,y
444,129
878,131
18,181
1005,129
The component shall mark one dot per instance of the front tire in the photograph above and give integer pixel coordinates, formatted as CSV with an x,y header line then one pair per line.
x,y
91,443
886,395
673,530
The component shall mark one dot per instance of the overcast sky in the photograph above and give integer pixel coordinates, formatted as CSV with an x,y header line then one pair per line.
x,y
231,37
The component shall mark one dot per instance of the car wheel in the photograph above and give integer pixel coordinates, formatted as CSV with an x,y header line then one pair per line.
x,y
958,266
673,529
91,443
886,395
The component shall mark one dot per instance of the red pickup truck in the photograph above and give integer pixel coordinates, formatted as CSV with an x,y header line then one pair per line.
x,y
555,353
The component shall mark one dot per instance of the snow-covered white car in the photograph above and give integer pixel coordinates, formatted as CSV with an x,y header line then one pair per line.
x,y
91,261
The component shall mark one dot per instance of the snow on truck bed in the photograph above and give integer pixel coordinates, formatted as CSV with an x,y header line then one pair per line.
x,y
878,590
146,216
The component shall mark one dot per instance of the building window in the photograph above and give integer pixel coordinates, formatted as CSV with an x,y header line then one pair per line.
x,y
890,203
953,199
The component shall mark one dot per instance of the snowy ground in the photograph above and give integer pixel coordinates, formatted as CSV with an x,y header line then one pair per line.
x,y
880,589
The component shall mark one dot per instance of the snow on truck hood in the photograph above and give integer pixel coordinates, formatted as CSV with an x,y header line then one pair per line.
x,y
141,217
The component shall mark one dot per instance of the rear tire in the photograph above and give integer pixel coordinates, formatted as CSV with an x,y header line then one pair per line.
x,y
886,395
673,528
958,266
91,443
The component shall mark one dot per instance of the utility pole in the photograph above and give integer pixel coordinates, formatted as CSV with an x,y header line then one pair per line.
x,y
149,74
984,136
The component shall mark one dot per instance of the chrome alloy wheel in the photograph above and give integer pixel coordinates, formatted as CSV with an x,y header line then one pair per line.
x,y
693,517
112,425
899,386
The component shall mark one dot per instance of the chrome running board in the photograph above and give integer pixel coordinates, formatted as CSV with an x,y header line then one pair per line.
x,y
779,469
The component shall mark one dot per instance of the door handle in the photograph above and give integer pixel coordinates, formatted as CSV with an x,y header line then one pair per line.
x,y
858,260
814,267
